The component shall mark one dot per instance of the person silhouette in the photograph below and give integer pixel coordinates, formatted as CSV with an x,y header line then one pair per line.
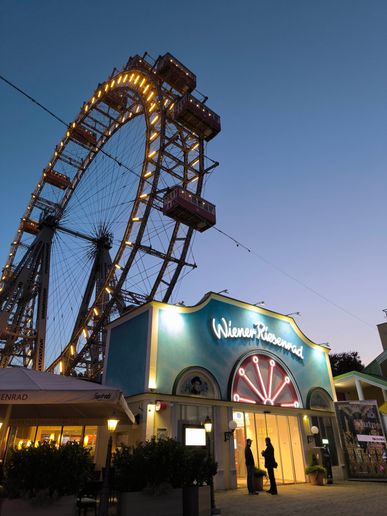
x,y
250,465
270,464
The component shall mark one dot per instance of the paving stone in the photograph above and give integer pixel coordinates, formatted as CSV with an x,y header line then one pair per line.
x,y
341,498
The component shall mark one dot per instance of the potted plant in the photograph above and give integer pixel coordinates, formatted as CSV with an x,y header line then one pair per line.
x,y
148,478
198,472
45,475
259,474
316,472
162,477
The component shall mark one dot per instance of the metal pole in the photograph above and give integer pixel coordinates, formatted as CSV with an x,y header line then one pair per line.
x,y
104,500
214,509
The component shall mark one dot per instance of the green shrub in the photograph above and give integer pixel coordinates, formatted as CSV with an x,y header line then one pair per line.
x,y
198,467
56,470
156,464
75,467
129,469
315,467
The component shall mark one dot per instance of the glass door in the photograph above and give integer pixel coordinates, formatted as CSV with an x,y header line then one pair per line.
x,y
284,433
285,458
239,448
298,454
273,433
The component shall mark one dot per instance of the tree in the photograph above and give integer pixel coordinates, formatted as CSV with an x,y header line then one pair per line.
x,y
345,362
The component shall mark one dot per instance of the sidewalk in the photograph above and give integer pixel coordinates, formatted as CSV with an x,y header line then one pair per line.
x,y
341,498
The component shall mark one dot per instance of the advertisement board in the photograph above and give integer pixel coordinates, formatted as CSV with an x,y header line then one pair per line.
x,y
363,438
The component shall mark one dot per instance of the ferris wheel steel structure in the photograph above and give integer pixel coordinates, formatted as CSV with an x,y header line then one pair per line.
x,y
129,259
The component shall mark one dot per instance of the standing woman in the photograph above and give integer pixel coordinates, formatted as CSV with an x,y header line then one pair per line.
x,y
270,464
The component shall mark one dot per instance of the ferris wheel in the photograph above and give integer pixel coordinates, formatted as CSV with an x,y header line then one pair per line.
x,y
110,222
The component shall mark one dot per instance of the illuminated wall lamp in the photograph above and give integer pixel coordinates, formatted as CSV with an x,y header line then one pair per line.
x,y
312,438
231,429
160,405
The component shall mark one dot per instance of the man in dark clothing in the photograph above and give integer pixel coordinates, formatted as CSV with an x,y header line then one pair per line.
x,y
270,464
249,459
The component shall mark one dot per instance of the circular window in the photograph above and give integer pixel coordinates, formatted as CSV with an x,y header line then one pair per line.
x,y
260,379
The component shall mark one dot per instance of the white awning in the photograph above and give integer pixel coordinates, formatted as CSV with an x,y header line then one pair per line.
x,y
36,395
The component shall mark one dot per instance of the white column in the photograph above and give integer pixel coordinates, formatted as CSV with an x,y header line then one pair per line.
x,y
150,420
384,391
219,424
359,389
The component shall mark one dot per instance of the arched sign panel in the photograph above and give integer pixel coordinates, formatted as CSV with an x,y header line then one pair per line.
x,y
259,379
196,381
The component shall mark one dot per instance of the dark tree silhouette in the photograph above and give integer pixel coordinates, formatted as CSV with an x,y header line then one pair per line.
x,y
345,362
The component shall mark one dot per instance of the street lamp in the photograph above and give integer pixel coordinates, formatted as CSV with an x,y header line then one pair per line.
x,y
208,425
112,425
208,428
104,501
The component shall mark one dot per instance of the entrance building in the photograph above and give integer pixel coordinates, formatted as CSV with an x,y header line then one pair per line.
x,y
251,370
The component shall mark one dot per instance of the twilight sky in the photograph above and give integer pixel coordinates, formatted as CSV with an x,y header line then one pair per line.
x,y
301,88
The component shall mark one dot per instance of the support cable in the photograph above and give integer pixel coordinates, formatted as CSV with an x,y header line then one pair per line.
x,y
230,237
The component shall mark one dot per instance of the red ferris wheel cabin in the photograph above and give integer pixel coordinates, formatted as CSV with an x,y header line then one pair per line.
x,y
190,209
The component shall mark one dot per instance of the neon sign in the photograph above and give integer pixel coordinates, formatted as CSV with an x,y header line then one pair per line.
x,y
225,330
261,380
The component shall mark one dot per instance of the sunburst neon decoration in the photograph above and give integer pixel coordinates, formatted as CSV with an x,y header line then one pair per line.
x,y
261,380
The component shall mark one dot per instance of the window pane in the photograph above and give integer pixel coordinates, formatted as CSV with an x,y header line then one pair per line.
x,y
48,434
285,450
24,436
272,432
250,434
239,447
90,438
72,433
261,434
196,413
